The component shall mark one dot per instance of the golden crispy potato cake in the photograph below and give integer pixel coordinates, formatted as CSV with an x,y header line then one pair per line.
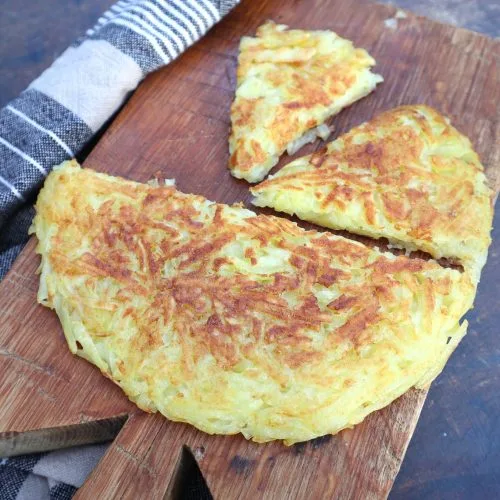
x,y
288,83
237,322
407,175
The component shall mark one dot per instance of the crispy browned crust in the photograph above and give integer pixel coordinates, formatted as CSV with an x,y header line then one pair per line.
x,y
290,81
413,177
166,291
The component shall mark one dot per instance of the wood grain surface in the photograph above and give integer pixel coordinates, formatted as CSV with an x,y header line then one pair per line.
x,y
176,125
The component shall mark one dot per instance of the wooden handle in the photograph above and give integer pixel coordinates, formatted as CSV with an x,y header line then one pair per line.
x,y
147,456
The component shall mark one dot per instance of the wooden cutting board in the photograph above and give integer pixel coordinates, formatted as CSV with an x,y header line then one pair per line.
x,y
177,124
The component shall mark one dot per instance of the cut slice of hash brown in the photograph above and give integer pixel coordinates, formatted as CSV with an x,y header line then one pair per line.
x,y
407,175
288,83
237,322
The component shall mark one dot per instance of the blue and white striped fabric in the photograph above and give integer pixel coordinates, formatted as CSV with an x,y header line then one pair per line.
x,y
48,476
61,110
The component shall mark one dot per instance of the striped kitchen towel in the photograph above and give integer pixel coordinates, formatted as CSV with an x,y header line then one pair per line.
x,y
60,111
48,476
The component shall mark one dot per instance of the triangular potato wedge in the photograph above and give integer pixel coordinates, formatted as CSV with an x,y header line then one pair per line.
x,y
289,83
407,176
237,322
